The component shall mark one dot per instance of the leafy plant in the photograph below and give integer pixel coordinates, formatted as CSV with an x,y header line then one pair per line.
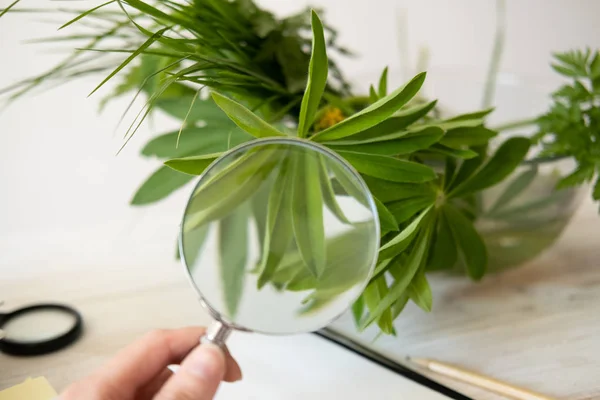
x,y
424,172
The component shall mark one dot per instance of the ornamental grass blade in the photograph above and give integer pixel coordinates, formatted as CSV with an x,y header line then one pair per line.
x,y
159,185
307,212
469,242
389,168
245,118
328,192
317,78
504,161
84,14
279,232
406,270
374,114
7,9
194,165
233,254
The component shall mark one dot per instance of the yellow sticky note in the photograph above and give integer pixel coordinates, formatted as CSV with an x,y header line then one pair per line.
x,y
32,389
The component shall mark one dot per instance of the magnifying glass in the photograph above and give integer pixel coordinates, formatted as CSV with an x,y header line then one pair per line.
x,y
39,329
279,236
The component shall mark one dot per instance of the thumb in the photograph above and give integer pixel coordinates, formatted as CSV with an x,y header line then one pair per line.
x,y
199,376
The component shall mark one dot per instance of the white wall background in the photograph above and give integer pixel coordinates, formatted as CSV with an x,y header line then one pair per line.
x,y
64,195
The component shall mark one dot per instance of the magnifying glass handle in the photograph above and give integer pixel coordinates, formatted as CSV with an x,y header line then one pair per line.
x,y
217,333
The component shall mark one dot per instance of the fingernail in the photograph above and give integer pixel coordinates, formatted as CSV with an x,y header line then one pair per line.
x,y
206,361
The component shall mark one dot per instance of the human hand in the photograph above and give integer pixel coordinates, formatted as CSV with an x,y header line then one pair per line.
x,y
139,372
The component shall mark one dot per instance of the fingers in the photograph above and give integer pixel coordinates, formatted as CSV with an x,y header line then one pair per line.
x,y
138,364
199,376
234,372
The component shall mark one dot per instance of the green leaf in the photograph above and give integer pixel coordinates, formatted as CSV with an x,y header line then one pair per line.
x,y
245,118
178,106
508,157
358,309
387,191
223,192
386,219
405,209
474,115
469,242
443,253
383,83
583,173
420,292
307,212
465,154
194,165
373,97
233,251
514,189
279,231
159,185
389,168
7,9
194,240
328,192
401,241
78,17
469,136
317,78
195,141
373,293
374,114
133,55
405,272
399,122
399,305
406,144
293,63
596,192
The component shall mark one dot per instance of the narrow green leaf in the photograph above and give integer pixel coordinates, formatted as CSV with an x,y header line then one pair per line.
x,y
403,210
383,83
317,78
373,293
474,115
373,97
227,189
596,192
419,291
443,254
358,309
233,251
203,110
307,212
159,185
195,141
328,192
406,144
82,15
133,55
399,305
466,169
387,191
279,231
504,161
374,114
349,186
465,154
194,165
469,242
389,168
514,189
386,219
399,122
469,136
194,243
583,173
7,9
245,118
406,271
401,241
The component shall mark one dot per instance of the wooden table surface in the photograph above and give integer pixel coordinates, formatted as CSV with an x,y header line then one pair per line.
x,y
537,326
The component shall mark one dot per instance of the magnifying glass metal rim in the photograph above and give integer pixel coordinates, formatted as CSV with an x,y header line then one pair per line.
x,y
39,347
222,326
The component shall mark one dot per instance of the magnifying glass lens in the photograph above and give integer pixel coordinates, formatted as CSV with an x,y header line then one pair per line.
x,y
279,236
38,325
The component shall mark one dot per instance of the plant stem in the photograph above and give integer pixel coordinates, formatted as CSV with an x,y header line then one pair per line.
x,y
490,85
515,124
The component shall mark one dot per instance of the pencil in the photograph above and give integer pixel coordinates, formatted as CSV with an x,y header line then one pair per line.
x,y
477,380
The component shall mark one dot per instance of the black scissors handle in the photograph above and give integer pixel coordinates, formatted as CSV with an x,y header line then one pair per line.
x,y
34,348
